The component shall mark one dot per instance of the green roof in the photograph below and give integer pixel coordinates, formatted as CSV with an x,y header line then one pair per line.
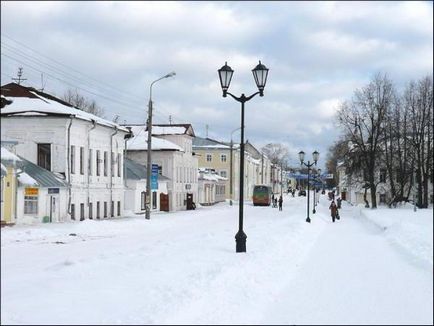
x,y
137,171
43,177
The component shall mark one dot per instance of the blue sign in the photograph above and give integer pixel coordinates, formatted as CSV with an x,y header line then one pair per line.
x,y
154,177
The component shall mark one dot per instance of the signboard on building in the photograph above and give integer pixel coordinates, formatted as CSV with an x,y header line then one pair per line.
x,y
31,191
154,177
53,190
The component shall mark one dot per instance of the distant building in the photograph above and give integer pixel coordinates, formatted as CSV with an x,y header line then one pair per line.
x,y
211,187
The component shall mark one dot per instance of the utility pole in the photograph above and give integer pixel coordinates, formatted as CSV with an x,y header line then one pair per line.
x,y
206,127
19,74
262,168
170,119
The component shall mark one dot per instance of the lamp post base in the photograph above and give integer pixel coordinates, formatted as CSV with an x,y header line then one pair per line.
x,y
308,220
240,239
314,211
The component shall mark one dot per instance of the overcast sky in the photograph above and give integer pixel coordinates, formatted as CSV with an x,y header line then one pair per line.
x,y
318,53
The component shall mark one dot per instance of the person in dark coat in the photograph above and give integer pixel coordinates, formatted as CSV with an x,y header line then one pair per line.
x,y
275,201
333,210
339,202
280,203
272,199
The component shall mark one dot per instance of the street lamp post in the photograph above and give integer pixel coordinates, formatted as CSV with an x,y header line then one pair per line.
x,y
260,73
315,156
231,168
314,193
149,158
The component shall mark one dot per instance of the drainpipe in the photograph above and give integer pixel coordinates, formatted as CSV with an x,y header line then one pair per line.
x,y
112,206
126,137
68,161
88,163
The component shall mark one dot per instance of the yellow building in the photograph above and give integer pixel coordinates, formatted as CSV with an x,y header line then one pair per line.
x,y
8,187
216,156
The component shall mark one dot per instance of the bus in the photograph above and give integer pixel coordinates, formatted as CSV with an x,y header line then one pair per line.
x,y
262,195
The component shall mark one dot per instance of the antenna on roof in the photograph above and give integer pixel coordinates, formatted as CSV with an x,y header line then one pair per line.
x,y
170,119
42,82
116,118
19,74
206,127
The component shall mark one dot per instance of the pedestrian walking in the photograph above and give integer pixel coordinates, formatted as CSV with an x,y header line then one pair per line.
x,y
339,202
280,203
272,199
275,202
333,210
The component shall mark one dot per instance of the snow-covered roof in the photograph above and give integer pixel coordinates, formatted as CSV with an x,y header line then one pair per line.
x,y
139,141
36,105
8,156
156,130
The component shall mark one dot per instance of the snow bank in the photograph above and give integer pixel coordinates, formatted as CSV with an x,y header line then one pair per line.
x,y
406,229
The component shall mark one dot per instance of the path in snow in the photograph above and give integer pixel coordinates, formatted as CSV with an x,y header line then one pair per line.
x,y
354,276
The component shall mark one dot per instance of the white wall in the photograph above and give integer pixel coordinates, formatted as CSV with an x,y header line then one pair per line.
x,y
29,131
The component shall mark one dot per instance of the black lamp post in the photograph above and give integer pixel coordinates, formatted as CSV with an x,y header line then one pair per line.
x,y
315,156
314,192
260,73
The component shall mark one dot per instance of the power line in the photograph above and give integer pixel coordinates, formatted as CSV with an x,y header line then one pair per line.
x,y
72,69
72,77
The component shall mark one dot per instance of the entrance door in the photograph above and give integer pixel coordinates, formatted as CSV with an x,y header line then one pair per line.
x,y
53,208
190,201
164,202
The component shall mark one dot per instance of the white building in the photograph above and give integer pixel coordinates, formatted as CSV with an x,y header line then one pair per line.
x,y
86,150
172,152
211,187
135,190
31,194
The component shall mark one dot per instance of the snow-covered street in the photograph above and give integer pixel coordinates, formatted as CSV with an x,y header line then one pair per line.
x,y
181,268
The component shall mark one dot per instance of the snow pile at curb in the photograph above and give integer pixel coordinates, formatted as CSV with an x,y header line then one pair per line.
x,y
408,230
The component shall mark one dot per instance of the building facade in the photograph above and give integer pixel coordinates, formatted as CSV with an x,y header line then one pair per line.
x,y
83,149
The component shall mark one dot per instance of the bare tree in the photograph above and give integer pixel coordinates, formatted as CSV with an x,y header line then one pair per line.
x,y
82,103
277,153
362,120
418,99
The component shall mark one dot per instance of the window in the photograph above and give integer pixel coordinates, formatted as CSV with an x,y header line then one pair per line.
x,y
90,211
98,215
119,164
382,198
154,200
30,204
72,159
72,211
208,157
224,174
143,200
98,160
112,165
223,157
44,156
119,208
112,210
160,170
89,163
105,209
105,163
81,160
382,175
81,212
